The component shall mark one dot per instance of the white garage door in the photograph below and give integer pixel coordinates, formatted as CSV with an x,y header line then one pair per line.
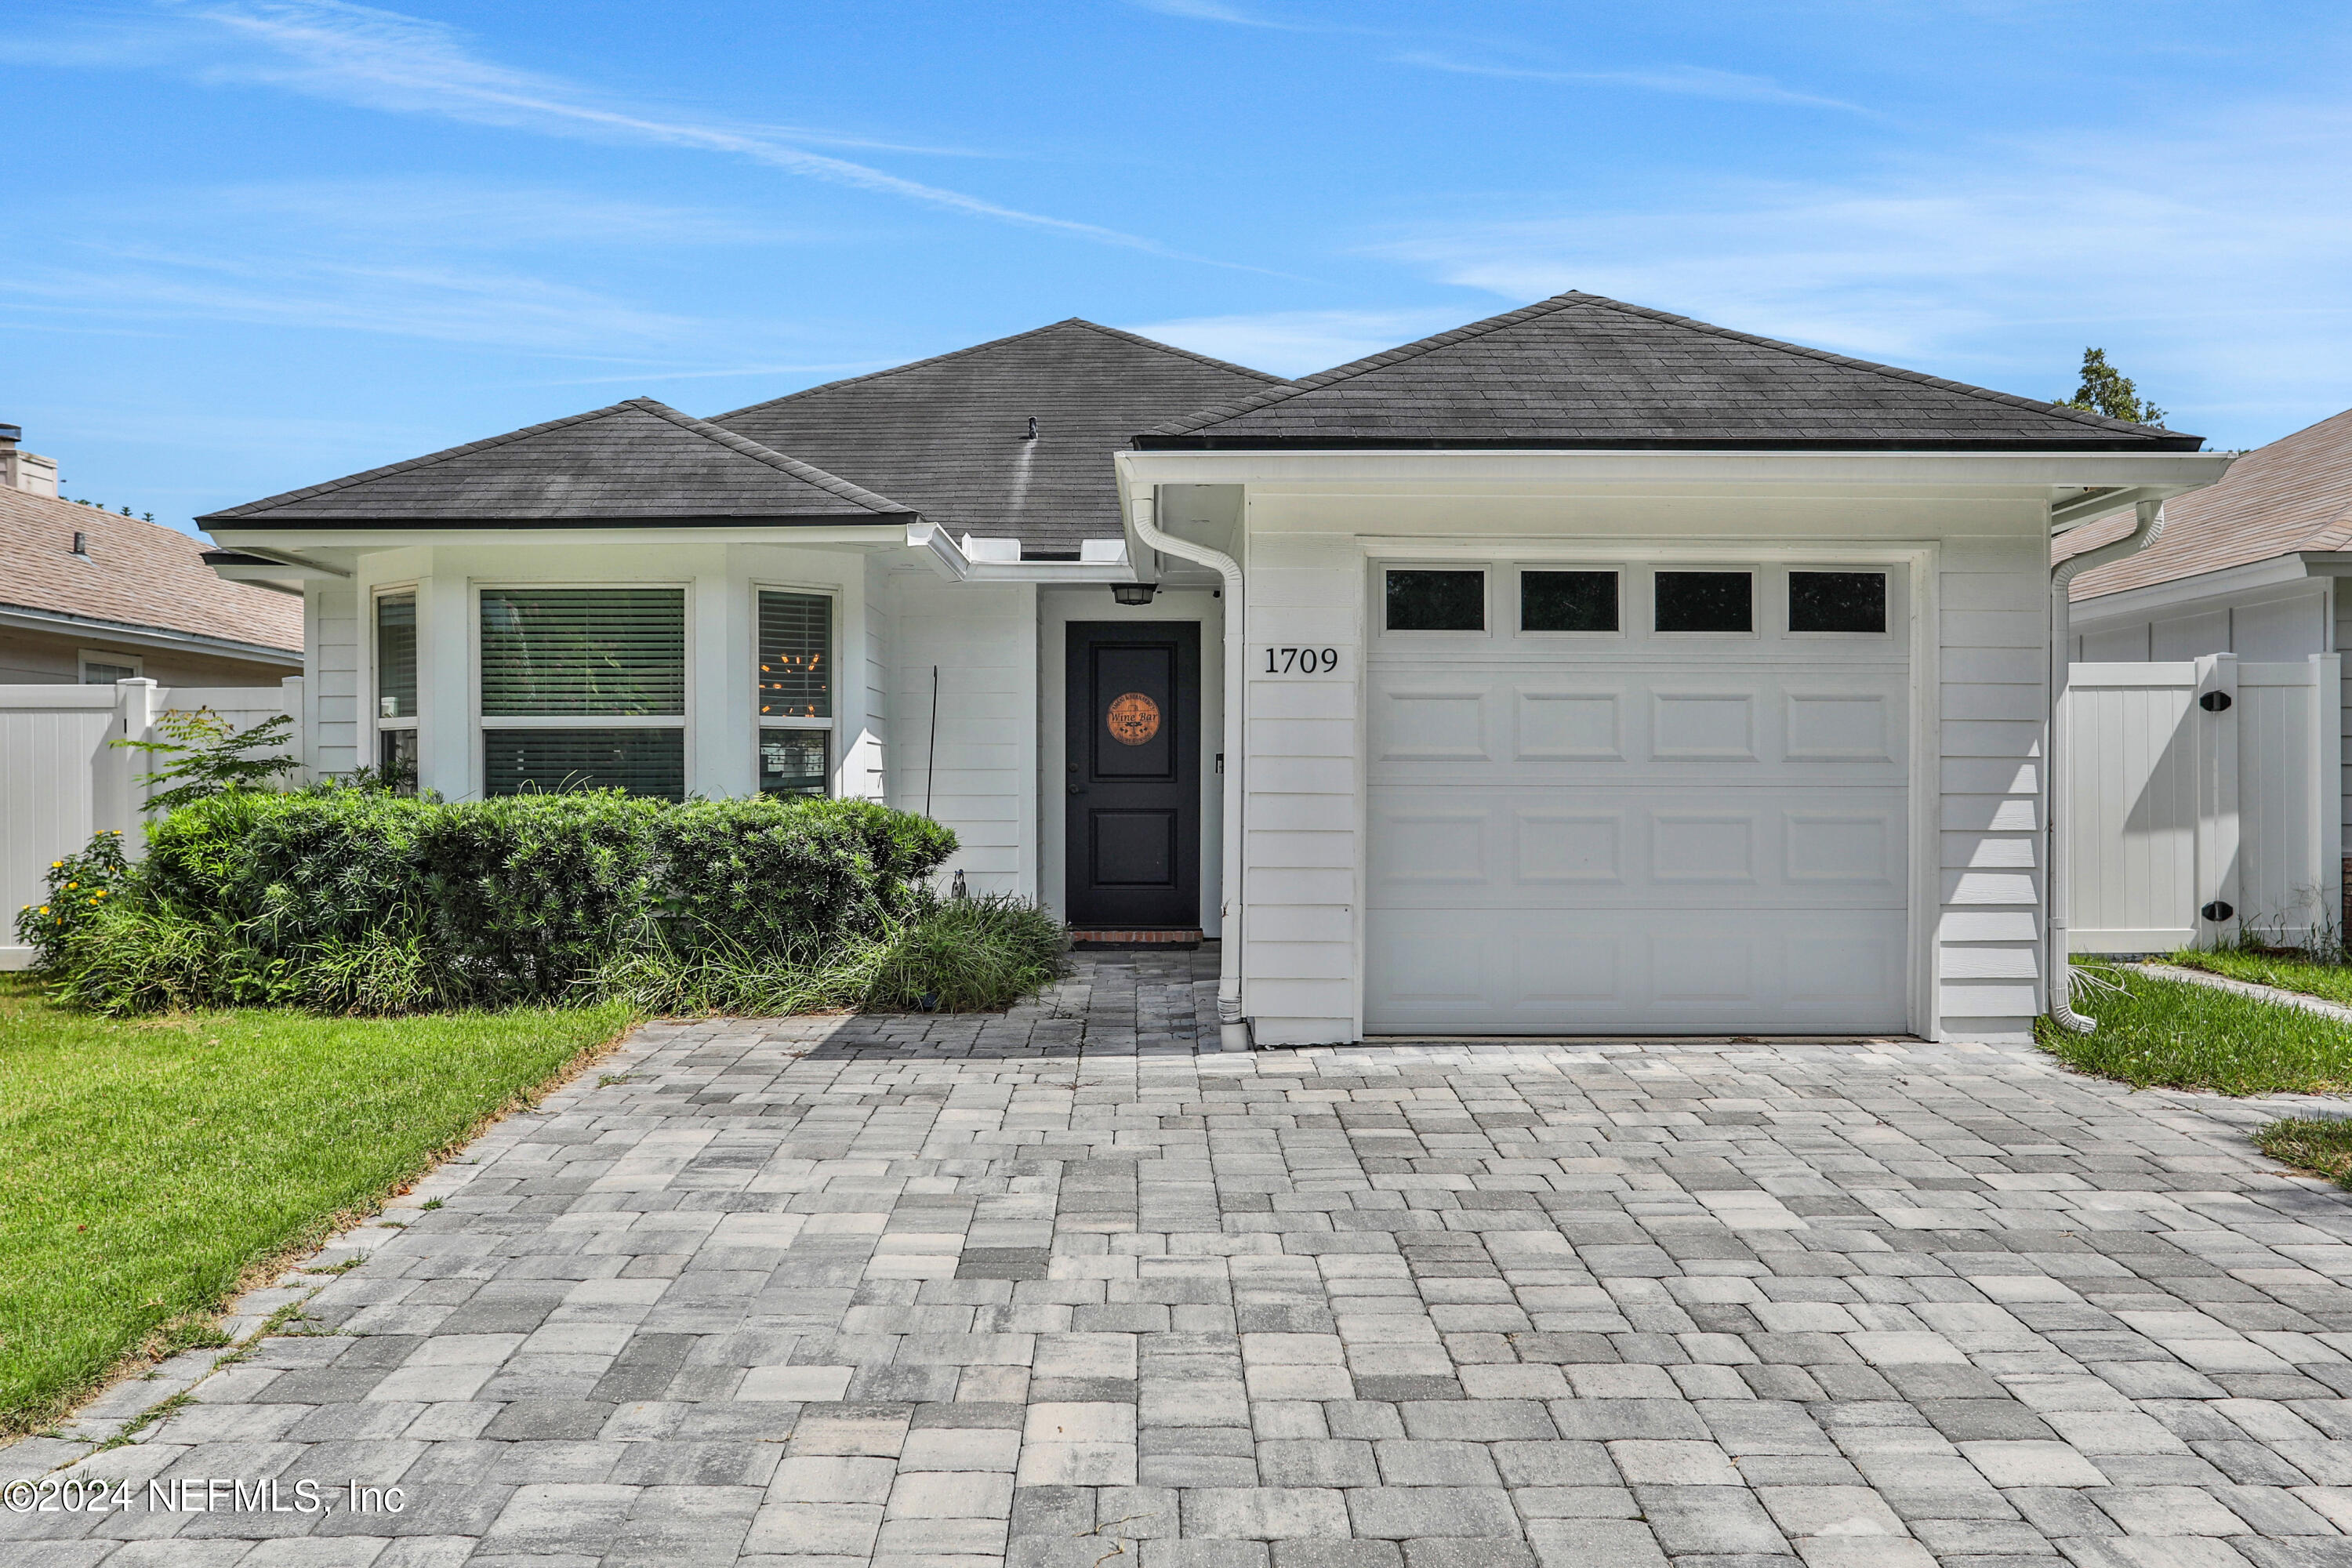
x,y
1637,799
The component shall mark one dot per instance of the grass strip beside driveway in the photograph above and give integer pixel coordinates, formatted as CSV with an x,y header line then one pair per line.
x,y
2321,1145
2330,981
149,1169
2183,1035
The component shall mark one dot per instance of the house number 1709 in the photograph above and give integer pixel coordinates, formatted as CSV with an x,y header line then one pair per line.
x,y
1301,660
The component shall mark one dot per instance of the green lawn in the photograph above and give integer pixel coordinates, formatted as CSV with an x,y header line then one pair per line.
x,y
2184,1035
147,1168
2323,1147
2330,981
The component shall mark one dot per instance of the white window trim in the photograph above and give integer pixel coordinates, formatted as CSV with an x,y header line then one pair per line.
x,y
1488,572
481,722
1518,571
371,682
86,657
834,633
1757,574
1893,607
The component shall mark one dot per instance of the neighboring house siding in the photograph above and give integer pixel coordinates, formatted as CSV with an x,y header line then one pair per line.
x,y
983,639
1993,613
39,659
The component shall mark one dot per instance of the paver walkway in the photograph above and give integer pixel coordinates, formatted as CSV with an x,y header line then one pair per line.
x,y
1054,1288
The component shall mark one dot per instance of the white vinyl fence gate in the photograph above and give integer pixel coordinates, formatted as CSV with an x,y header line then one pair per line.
x,y
2205,803
61,780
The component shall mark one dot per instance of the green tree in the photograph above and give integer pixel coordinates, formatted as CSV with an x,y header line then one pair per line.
x,y
203,755
2108,390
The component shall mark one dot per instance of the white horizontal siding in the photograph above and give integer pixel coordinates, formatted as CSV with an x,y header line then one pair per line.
x,y
331,691
1994,682
1304,844
983,639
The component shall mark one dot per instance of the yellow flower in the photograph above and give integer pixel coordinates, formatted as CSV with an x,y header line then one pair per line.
x,y
71,886
45,908
102,893
55,864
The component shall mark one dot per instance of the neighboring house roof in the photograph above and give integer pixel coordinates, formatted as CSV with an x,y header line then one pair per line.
x,y
2292,496
950,435
635,461
138,577
1581,371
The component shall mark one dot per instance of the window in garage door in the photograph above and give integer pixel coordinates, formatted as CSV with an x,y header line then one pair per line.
x,y
1641,799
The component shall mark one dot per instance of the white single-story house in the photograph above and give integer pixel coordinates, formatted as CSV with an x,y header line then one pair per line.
x,y
2249,566
1586,670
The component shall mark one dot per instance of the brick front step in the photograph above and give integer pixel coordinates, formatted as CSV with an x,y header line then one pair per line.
x,y
1140,936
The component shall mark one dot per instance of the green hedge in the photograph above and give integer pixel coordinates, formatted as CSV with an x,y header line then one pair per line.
x,y
358,900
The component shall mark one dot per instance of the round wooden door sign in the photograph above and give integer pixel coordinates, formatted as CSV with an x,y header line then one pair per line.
x,y
1133,718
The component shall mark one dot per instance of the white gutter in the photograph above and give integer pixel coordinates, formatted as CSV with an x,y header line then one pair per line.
x,y
91,628
1233,1029
969,560
2060,876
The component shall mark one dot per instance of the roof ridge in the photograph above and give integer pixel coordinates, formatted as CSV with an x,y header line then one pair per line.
x,y
2011,399
1574,299
1177,349
994,344
328,486
806,472
1371,362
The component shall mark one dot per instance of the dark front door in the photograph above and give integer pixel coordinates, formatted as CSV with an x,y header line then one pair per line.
x,y
1134,774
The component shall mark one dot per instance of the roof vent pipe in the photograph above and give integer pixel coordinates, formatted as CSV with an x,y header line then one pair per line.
x,y
1032,429
2058,791
81,545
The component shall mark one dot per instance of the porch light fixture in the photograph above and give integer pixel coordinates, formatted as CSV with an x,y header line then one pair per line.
x,y
1133,593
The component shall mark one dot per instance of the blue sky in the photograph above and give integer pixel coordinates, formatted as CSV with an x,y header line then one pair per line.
x,y
261,243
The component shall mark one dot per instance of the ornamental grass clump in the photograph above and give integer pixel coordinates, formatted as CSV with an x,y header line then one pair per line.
x,y
356,900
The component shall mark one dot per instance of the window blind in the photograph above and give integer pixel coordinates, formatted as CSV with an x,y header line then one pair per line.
x,y
796,656
395,655
643,762
584,650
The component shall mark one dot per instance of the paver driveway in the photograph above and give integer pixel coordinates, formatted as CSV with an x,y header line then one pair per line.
x,y
1053,1287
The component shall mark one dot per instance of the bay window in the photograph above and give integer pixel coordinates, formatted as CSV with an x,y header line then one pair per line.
x,y
583,689
796,693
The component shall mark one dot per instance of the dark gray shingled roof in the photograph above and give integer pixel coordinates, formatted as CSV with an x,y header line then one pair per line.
x,y
639,461
947,435
1581,371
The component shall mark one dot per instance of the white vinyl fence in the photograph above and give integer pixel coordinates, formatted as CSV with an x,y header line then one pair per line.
x,y
2205,802
61,780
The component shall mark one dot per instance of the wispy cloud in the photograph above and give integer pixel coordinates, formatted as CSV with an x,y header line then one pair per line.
x,y
2207,259
1212,11
1687,81
474,306
1417,51
650,374
432,213
1298,343
386,61
458,260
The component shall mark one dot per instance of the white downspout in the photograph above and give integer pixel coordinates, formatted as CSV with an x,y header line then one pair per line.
x,y
1233,1029
2150,526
